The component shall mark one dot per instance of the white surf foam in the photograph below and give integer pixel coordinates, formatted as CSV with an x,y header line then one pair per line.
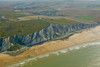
x,y
63,51
77,47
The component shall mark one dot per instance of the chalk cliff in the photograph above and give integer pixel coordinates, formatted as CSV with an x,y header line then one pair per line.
x,y
52,32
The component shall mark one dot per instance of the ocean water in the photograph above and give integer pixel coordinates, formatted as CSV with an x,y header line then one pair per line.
x,y
82,55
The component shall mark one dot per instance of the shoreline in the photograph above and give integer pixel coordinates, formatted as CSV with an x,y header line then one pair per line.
x,y
78,38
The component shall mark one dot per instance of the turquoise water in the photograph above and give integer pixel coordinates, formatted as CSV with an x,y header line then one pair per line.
x,y
83,55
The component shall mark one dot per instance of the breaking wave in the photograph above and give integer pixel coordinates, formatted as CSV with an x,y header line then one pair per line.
x,y
76,47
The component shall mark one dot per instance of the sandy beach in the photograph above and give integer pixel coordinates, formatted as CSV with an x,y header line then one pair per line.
x,y
78,38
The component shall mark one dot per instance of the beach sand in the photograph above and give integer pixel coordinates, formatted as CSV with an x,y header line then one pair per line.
x,y
78,38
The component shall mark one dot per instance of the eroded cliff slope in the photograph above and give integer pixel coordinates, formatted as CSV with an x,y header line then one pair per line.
x,y
54,31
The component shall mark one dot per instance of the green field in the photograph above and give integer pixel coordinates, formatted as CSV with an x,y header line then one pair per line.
x,y
50,19
86,17
61,21
10,14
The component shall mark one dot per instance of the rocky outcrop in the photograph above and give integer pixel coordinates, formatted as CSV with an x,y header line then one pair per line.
x,y
53,32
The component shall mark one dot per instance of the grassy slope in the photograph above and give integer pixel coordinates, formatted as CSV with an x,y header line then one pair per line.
x,y
9,28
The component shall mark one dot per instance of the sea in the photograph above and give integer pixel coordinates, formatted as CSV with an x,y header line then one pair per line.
x,y
80,55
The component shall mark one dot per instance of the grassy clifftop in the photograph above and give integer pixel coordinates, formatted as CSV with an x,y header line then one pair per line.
x,y
8,28
22,24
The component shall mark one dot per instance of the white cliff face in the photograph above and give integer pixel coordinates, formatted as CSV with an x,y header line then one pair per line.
x,y
53,32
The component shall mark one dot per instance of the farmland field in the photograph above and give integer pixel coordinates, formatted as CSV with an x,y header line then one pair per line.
x,y
86,17
17,18
30,28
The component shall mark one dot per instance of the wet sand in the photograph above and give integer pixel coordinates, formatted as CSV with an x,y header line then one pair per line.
x,y
78,38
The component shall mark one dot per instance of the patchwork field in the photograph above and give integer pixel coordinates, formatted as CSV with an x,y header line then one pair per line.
x,y
24,18
86,17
